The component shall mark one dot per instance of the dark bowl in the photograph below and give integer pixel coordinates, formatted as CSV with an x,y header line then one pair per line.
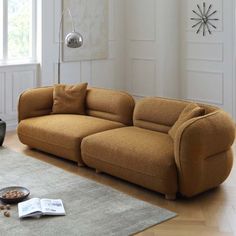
x,y
14,200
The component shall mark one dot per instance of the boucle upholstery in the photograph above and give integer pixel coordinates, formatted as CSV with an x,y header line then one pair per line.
x,y
141,156
69,99
35,102
203,152
190,111
61,135
102,103
157,114
199,158
110,105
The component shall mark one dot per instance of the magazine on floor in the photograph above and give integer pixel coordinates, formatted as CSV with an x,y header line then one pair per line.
x,y
36,207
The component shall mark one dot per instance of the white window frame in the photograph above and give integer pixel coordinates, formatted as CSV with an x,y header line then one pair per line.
x,y
33,39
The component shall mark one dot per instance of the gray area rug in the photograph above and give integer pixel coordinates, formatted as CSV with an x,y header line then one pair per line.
x,y
91,208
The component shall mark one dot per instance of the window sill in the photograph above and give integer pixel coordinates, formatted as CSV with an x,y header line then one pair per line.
x,y
19,63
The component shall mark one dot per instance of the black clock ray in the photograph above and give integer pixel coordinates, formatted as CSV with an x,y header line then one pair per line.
x,y
203,20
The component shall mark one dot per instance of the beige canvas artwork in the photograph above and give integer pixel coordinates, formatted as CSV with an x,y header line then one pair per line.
x,y
91,21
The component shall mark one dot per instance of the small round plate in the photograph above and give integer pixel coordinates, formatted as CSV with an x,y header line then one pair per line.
x,y
14,200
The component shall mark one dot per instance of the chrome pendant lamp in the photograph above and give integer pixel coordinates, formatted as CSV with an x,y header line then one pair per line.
x,y
72,40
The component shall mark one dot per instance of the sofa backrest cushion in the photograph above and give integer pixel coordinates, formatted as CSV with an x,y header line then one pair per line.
x,y
160,114
110,104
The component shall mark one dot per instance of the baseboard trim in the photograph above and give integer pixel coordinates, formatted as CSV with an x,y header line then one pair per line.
x,y
11,125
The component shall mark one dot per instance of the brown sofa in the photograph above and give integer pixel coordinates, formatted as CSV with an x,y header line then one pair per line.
x,y
61,134
199,158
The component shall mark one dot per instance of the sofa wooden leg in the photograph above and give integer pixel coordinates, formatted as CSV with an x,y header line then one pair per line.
x,y
170,196
98,171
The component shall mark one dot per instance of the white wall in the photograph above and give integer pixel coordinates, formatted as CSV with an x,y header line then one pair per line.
x,y
165,57
152,48
152,52
107,73
207,62
143,49
14,79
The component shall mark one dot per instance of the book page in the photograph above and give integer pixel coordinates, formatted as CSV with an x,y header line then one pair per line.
x,y
29,208
52,207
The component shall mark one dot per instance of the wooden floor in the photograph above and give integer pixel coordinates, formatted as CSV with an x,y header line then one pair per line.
x,y
211,213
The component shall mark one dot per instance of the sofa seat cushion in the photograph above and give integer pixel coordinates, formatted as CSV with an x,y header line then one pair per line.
x,y
61,134
141,156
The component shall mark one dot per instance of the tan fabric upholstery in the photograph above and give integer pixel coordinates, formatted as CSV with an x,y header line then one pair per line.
x,y
199,157
110,105
141,156
192,110
160,114
69,99
35,102
61,135
157,114
203,152
102,103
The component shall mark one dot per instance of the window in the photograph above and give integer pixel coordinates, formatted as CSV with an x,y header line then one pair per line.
x,y
17,30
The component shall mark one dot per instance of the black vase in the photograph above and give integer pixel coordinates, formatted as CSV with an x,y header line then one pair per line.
x,y
2,131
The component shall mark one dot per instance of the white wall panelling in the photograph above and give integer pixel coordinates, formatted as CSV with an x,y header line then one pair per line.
x,y
152,52
205,51
13,81
143,70
103,73
21,80
207,62
2,93
140,27
195,90
149,34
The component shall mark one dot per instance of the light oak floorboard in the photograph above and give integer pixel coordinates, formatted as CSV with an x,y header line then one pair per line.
x,y
210,214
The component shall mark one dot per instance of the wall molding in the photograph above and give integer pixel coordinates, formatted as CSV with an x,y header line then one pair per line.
x,y
222,93
154,37
221,44
2,92
134,58
152,83
13,81
205,71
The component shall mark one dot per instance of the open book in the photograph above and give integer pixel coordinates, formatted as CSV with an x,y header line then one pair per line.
x,y
38,207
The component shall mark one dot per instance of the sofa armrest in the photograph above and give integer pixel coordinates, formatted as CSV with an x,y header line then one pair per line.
x,y
203,153
35,102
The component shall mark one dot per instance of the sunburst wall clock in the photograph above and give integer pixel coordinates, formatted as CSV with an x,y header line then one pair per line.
x,y
204,19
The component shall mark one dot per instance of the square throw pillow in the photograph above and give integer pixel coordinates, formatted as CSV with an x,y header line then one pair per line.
x,y
69,99
190,111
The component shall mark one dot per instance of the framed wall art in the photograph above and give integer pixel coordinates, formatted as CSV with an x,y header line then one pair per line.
x,y
91,20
